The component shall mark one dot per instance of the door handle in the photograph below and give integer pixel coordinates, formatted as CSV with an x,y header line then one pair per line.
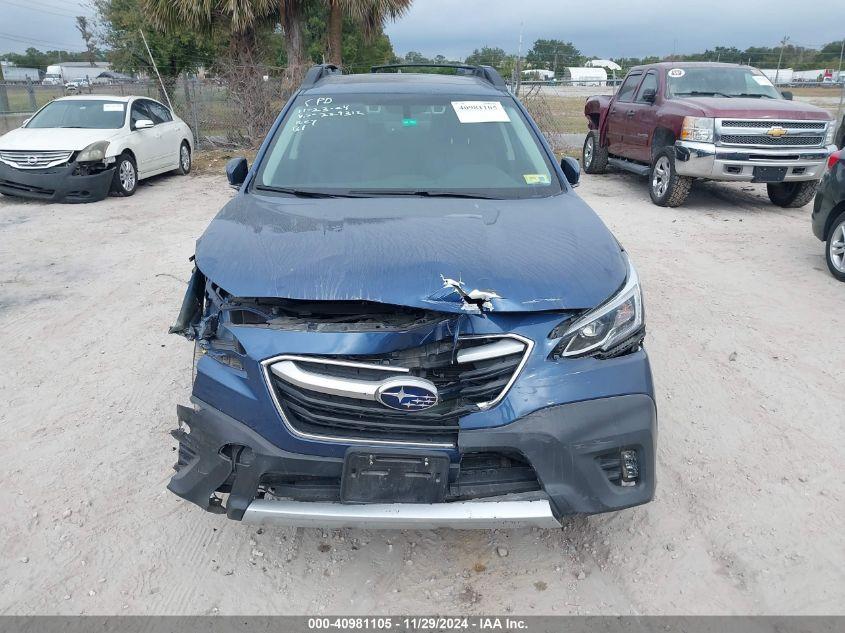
x,y
631,112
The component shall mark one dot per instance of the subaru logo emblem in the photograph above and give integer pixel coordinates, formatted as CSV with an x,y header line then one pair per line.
x,y
407,394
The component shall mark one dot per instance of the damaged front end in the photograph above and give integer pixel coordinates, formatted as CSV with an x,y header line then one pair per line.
x,y
74,181
359,412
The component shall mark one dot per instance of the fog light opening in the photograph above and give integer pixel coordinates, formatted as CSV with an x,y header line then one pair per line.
x,y
630,467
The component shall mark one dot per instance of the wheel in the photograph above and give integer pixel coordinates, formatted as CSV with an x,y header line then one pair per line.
x,y
666,187
125,176
792,195
184,158
835,252
593,155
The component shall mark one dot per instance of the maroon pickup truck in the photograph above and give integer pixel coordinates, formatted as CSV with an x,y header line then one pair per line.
x,y
677,121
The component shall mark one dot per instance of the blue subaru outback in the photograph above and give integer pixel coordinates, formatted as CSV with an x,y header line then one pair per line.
x,y
407,318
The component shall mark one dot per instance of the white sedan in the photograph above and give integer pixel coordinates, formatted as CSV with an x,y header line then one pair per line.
x,y
81,148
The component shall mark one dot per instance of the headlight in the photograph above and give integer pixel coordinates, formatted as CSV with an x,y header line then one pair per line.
x,y
612,324
698,129
831,130
94,152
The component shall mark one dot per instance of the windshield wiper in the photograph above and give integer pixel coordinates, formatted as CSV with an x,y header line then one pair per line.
x,y
753,95
422,193
702,93
299,193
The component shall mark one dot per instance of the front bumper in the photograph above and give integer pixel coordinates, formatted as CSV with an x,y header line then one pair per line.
x,y
55,184
714,162
567,445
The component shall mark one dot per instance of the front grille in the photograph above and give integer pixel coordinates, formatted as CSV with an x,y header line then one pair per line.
x,y
462,388
800,125
783,141
34,159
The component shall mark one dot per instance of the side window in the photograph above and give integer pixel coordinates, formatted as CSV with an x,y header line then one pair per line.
x,y
626,91
159,112
649,83
139,111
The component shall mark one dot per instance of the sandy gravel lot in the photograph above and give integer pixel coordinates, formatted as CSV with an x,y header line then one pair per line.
x,y
746,333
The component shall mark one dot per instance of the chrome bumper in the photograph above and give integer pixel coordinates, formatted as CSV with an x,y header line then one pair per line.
x,y
457,515
714,162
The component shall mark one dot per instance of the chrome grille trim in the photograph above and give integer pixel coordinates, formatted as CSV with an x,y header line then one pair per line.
x,y
34,159
267,368
766,124
754,133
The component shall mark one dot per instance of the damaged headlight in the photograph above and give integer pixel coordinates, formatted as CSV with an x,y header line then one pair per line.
x,y
94,152
613,324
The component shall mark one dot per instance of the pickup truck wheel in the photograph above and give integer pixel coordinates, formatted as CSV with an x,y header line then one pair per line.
x,y
835,252
594,156
666,187
792,195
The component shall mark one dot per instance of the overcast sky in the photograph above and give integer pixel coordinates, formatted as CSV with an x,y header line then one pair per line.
x,y
602,28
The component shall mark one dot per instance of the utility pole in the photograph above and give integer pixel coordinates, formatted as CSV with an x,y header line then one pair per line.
x,y
780,58
519,60
839,77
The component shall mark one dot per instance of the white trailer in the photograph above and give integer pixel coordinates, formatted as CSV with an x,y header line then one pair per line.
x,y
19,73
68,71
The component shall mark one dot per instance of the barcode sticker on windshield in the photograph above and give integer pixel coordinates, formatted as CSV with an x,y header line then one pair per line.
x,y
762,80
480,112
112,107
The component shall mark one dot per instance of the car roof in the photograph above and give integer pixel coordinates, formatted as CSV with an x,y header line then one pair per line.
x,y
404,83
664,65
123,99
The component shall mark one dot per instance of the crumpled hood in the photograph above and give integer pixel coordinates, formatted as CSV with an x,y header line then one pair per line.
x,y
749,108
537,254
70,139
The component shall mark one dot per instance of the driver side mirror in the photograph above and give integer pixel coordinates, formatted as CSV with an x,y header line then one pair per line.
x,y
787,94
236,171
143,124
649,95
571,169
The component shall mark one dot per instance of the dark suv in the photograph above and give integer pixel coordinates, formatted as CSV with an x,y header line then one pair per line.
x,y
406,317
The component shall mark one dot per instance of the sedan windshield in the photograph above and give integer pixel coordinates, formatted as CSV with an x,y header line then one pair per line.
x,y
91,114
724,81
412,145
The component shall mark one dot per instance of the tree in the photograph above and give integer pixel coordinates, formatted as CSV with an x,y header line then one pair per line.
x,y
369,14
180,50
87,37
553,54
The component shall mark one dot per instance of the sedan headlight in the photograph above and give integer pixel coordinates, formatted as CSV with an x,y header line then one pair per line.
x,y
94,152
831,130
696,128
613,325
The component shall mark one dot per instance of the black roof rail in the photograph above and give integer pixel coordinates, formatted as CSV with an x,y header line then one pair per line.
x,y
487,73
316,73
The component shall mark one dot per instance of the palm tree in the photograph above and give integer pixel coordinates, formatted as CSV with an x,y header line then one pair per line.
x,y
370,14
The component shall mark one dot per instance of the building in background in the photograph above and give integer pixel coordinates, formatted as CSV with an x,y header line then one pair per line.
x,y
12,73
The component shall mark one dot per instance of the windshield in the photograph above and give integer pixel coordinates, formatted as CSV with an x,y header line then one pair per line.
x,y
717,81
89,113
382,144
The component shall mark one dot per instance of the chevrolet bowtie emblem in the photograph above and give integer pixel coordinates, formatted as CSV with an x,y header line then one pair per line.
x,y
776,132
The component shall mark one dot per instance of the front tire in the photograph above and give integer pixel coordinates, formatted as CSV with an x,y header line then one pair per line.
x,y
835,251
666,187
593,155
791,195
184,159
125,180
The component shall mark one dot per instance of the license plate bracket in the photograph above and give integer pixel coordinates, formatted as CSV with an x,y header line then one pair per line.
x,y
769,174
395,477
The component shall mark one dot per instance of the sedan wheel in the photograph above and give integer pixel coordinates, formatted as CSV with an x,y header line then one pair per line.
x,y
125,176
184,158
